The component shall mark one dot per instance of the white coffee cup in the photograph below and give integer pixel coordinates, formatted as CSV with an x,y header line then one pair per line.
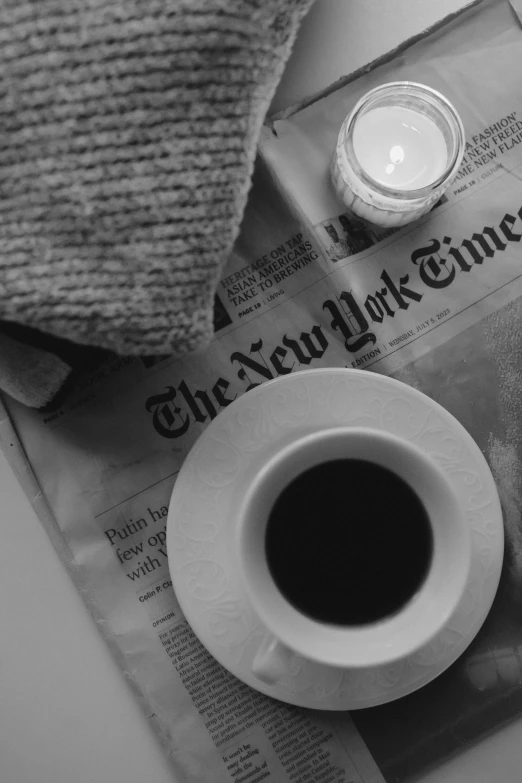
x,y
289,631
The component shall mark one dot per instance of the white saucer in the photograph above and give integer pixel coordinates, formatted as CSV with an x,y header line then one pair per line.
x,y
213,479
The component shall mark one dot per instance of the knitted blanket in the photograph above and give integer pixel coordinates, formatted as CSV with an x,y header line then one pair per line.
x,y
128,132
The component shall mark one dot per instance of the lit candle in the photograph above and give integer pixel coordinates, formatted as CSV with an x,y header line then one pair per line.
x,y
397,152
400,148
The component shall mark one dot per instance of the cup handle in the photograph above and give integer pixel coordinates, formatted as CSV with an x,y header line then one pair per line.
x,y
272,660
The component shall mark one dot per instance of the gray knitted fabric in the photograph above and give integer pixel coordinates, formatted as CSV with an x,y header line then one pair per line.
x,y
29,374
128,131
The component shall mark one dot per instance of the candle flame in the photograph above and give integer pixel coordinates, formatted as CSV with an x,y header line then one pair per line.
x,y
396,154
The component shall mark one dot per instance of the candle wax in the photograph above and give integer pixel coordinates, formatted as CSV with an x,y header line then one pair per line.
x,y
399,147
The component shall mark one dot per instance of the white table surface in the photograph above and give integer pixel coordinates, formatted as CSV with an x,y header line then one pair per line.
x,y
66,713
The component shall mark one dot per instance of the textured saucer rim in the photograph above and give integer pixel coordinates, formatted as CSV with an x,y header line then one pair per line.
x,y
311,684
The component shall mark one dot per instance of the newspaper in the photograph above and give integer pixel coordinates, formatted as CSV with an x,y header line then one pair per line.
x,y
406,292
436,304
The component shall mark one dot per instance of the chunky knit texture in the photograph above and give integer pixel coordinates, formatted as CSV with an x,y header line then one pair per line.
x,y
128,131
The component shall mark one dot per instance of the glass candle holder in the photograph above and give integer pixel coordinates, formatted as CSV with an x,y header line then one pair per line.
x,y
397,152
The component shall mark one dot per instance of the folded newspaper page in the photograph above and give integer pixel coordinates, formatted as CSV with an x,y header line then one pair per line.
x,y
436,304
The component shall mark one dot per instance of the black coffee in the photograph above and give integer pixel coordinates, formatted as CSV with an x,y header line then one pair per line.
x,y
348,542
